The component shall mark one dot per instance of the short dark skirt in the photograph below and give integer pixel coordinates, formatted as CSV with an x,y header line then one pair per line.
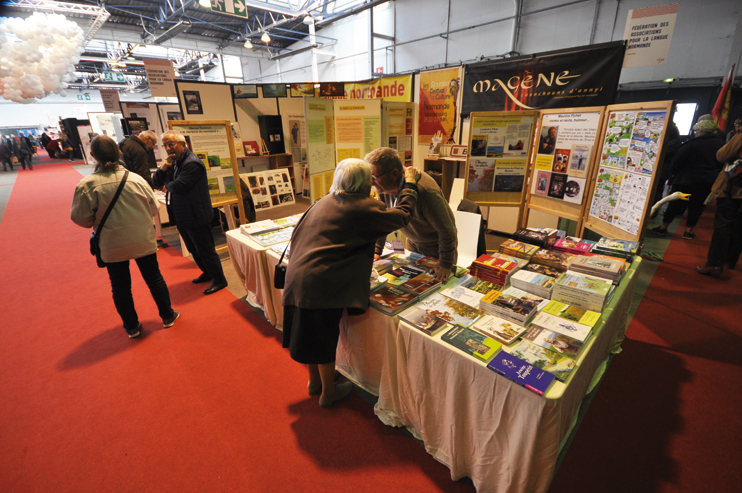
x,y
311,335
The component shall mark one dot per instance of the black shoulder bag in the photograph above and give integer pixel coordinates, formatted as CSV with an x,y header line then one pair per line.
x,y
95,235
279,273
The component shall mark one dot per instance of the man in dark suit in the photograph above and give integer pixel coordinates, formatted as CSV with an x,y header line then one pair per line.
x,y
191,207
135,151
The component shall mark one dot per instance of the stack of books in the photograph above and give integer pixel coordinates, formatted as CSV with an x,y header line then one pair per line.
x,y
422,285
533,237
427,263
598,267
532,282
521,372
569,312
422,320
552,258
400,274
542,269
472,342
391,300
479,285
616,248
589,294
449,310
498,328
376,281
404,258
463,295
493,269
518,249
512,304
553,323
555,363
272,237
258,227
382,266
573,245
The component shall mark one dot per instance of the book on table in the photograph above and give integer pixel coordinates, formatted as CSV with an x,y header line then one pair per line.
x,y
408,258
463,295
518,249
553,258
400,274
532,282
382,266
599,267
566,327
538,238
555,363
581,291
391,300
494,269
573,245
499,329
422,320
469,281
285,222
471,342
421,285
512,304
427,263
573,313
377,281
543,269
521,372
259,227
450,311
616,247
554,341
272,237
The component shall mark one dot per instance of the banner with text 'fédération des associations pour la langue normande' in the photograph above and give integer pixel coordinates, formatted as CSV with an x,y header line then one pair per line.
x,y
573,78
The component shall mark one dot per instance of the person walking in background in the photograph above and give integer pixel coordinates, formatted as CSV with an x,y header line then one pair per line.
x,y
694,170
66,144
191,208
332,253
22,151
6,155
726,241
135,151
127,232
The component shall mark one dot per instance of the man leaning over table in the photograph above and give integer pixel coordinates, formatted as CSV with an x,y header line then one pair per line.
x,y
432,229
190,204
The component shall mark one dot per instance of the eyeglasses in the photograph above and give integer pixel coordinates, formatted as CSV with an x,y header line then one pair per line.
x,y
171,144
376,177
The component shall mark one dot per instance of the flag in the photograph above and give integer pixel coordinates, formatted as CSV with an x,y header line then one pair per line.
x,y
721,108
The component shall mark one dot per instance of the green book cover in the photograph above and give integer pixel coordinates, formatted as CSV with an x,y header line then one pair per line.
x,y
472,342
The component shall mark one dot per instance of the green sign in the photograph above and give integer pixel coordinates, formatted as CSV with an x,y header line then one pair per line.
x,y
83,97
114,77
232,7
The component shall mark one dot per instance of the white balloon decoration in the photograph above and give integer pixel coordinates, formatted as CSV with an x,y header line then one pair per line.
x,y
44,59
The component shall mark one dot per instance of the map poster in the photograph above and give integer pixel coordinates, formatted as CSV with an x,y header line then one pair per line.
x,y
563,155
627,163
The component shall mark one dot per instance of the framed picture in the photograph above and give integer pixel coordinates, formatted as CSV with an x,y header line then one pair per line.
x,y
331,89
274,91
245,91
136,125
251,148
192,103
302,90
174,115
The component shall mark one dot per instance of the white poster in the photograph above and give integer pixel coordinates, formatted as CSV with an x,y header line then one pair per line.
x,y
110,100
161,77
649,33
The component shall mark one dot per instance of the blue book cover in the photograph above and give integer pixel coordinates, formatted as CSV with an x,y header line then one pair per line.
x,y
520,372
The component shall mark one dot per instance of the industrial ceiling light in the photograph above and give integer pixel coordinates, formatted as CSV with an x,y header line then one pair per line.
x,y
308,20
265,38
248,44
205,3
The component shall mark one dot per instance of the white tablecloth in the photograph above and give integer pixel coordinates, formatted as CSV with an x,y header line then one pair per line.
x,y
249,262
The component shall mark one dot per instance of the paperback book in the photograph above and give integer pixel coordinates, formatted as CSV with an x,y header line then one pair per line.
x,y
600,267
450,311
521,372
572,245
376,281
259,227
272,237
615,247
565,327
534,283
400,274
542,269
555,363
580,291
538,238
471,342
554,341
573,313
391,300
463,295
421,285
512,304
499,329
518,249
422,320
479,285
427,263
552,258
285,222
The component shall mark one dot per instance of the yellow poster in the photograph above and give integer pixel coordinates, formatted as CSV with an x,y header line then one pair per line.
x,y
387,88
348,153
349,129
438,110
329,134
544,162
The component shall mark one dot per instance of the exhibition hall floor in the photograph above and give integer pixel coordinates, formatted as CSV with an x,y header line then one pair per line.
x,y
215,404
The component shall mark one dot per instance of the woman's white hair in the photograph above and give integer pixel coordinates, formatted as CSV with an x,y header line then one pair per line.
x,y
352,175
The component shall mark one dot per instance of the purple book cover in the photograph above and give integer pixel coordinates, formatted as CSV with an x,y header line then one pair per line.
x,y
525,374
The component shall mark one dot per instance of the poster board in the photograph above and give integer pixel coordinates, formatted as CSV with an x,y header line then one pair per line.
x,y
562,170
318,116
211,140
396,128
500,147
632,143
357,127
270,188
85,132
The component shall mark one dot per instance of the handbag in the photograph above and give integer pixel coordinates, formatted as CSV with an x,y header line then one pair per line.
x,y
95,235
279,272
13,159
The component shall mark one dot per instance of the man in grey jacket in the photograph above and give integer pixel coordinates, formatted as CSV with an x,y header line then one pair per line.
x,y
432,229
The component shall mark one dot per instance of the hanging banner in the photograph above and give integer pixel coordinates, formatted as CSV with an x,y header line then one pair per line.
x,y
439,95
389,89
161,77
649,33
562,79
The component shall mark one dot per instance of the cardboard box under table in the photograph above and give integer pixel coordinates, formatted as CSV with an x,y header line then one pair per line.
x,y
480,424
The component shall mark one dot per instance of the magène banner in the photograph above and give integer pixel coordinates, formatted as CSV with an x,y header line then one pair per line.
x,y
387,88
439,93
578,77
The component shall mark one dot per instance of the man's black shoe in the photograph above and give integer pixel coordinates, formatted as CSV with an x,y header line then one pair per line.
x,y
215,286
202,278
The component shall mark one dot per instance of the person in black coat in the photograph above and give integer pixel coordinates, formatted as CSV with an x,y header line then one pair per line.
x,y
22,151
671,148
694,170
191,207
135,151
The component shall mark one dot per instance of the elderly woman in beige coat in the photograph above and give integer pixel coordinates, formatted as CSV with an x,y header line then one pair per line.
x,y
332,254
127,234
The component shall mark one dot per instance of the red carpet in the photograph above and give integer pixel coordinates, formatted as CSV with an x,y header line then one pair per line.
x,y
212,404
667,414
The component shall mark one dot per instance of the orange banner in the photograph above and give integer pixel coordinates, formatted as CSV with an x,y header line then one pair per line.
x,y
438,111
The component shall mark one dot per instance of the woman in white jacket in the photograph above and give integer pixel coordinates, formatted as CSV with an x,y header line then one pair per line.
x,y
127,234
